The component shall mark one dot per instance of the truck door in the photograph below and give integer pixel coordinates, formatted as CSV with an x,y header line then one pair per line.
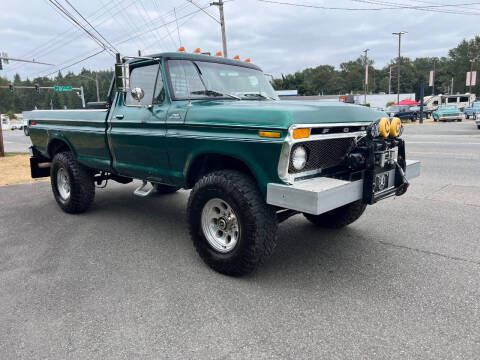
x,y
136,130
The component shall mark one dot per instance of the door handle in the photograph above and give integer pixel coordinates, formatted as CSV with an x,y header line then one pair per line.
x,y
119,116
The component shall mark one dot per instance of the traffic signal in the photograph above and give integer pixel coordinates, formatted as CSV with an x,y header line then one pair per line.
x,y
37,88
11,88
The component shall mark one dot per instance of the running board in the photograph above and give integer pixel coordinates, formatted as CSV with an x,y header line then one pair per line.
x,y
142,191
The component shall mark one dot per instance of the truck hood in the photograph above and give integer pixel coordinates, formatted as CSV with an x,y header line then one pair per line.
x,y
276,114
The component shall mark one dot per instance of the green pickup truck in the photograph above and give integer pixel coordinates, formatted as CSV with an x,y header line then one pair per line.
x,y
216,126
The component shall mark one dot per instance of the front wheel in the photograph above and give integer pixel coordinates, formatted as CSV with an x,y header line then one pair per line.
x,y
72,184
340,217
231,226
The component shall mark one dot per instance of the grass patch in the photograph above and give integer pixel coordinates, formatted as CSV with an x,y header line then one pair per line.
x,y
15,169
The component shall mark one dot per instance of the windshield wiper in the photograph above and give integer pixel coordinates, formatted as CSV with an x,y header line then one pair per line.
x,y
214,93
258,95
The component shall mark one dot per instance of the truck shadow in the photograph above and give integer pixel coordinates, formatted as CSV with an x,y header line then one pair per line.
x,y
304,252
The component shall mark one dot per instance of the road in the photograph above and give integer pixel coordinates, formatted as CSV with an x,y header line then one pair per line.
x,y
124,282
16,141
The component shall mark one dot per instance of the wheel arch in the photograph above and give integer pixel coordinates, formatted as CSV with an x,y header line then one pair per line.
x,y
205,162
58,144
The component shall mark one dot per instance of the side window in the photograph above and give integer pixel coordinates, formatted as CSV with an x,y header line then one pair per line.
x,y
144,78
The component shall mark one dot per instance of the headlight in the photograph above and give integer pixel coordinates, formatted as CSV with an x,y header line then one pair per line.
x,y
299,158
373,130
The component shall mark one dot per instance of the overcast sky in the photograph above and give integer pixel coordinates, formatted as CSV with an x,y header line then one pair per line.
x,y
279,38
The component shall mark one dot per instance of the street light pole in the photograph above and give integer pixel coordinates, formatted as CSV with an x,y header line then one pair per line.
x,y
365,86
470,82
219,3
399,34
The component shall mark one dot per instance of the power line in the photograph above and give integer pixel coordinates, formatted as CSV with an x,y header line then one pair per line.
x,y
76,62
387,6
113,47
74,21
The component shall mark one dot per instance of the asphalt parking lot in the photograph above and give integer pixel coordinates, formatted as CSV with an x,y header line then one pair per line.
x,y
15,141
123,280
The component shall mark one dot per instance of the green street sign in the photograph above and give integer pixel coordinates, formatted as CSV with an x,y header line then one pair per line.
x,y
63,88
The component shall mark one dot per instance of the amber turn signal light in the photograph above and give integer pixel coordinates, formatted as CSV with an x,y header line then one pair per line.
x,y
384,125
269,134
301,133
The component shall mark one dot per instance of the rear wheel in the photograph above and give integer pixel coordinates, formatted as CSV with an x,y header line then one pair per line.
x,y
72,184
26,131
340,217
231,226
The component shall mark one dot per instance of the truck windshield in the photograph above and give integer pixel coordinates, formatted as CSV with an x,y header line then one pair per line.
x,y
203,79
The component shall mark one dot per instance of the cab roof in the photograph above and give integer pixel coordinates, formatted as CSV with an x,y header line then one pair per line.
x,y
198,57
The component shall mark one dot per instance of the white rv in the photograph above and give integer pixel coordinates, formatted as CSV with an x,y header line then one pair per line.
x,y
462,101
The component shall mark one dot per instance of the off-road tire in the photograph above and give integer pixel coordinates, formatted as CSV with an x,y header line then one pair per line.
x,y
340,217
166,189
82,187
257,222
26,131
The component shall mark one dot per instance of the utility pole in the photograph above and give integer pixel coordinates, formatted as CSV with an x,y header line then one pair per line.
x,y
365,86
399,34
98,91
390,81
433,80
219,3
451,87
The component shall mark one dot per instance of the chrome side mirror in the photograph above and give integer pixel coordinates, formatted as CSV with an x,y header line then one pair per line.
x,y
137,93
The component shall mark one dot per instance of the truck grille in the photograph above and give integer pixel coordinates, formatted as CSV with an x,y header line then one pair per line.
x,y
323,154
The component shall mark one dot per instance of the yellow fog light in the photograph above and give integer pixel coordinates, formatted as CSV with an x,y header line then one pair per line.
x,y
395,127
384,127
301,133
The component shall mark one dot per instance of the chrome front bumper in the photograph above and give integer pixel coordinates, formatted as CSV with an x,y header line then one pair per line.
x,y
322,194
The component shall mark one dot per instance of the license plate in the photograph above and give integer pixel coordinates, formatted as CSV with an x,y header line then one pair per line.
x,y
381,182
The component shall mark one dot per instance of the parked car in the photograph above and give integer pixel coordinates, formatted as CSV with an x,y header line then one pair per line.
x,y
404,112
215,125
18,126
447,113
471,111
426,112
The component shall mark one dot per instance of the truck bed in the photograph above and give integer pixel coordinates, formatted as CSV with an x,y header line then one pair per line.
x,y
83,130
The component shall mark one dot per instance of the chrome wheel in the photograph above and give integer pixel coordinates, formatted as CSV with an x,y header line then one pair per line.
x,y
220,225
63,184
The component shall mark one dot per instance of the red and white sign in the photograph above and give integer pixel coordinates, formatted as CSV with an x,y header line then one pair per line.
x,y
430,79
